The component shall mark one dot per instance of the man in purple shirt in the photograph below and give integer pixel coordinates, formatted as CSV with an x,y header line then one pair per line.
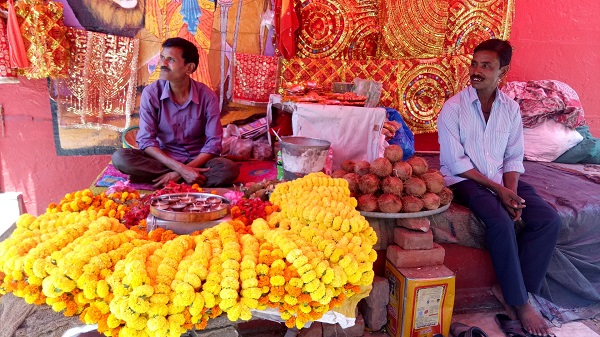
x,y
481,156
180,128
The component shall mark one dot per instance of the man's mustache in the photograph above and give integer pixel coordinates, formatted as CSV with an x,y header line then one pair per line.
x,y
165,68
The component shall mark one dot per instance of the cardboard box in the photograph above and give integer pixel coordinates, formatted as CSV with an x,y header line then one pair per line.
x,y
421,300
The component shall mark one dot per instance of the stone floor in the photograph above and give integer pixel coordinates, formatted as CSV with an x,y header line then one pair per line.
x,y
484,320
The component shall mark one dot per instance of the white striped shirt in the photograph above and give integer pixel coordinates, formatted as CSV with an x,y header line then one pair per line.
x,y
467,141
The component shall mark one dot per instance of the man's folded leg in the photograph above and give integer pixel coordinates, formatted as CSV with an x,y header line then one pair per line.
x,y
140,167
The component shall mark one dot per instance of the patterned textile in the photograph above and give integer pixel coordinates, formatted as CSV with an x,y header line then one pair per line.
x,y
419,50
166,19
338,29
473,21
8,74
45,38
546,99
100,90
417,88
413,29
111,176
255,78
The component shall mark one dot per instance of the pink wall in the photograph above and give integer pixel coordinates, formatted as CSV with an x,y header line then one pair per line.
x,y
557,40
560,40
27,153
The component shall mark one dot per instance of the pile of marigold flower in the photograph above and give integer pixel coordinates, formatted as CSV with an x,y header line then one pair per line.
x,y
80,259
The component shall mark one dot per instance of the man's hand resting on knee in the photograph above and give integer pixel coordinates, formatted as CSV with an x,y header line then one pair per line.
x,y
193,175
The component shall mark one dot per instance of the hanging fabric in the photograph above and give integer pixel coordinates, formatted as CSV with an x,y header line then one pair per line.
x,y
16,47
45,38
8,73
286,25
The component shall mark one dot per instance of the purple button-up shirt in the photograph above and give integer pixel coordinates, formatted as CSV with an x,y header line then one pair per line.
x,y
181,131
467,141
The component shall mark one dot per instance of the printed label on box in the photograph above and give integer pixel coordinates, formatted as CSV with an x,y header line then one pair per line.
x,y
429,303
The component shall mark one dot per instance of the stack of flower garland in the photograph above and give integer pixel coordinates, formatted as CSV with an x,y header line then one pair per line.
x,y
304,260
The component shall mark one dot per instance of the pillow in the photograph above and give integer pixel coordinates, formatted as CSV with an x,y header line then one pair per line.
x,y
549,140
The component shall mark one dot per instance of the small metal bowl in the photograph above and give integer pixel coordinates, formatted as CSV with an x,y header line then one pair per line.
x,y
201,201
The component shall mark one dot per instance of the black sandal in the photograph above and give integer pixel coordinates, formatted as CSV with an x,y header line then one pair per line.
x,y
462,330
511,328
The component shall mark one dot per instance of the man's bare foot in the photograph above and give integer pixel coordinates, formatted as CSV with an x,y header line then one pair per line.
x,y
532,321
510,311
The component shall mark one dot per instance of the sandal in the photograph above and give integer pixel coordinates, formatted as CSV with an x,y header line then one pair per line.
x,y
462,330
511,328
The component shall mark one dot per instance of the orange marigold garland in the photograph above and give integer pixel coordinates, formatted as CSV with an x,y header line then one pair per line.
x,y
306,257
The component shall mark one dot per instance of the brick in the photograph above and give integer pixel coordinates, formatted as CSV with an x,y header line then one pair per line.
x,y
411,239
402,258
375,317
380,293
417,224
315,330
335,330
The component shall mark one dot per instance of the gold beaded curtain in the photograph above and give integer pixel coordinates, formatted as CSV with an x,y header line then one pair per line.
x,y
419,49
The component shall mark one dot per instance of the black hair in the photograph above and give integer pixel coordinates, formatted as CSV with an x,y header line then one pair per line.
x,y
190,52
501,47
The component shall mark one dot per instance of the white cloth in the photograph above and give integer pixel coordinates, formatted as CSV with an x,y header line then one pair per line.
x,y
354,132
467,141
549,140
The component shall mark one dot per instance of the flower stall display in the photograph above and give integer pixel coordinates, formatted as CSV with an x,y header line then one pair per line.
x,y
305,252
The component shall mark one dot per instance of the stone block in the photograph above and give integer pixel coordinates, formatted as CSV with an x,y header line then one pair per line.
x,y
315,330
219,322
417,224
380,294
228,331
412,239
375,317
403,258
335,330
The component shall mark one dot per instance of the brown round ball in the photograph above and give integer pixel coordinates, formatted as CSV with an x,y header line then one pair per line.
x,y
415,186
367,203
369,183
389,203
434,181
393,153
381,167
338,174
362,167
431,201
446,196
347,165
402,170
353,180
419,165
392,185
411,204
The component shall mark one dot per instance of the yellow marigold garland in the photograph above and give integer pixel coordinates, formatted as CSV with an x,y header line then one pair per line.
x,y
78,258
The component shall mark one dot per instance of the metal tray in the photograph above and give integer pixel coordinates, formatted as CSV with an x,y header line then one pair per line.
x,y
404,215
188,216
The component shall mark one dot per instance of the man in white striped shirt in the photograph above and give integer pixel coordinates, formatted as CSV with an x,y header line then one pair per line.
x,y
481,155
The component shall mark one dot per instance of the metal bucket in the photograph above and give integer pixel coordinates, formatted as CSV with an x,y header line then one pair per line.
x,y
302,155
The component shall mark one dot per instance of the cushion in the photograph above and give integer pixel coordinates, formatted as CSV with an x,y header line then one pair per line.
x,y
549,140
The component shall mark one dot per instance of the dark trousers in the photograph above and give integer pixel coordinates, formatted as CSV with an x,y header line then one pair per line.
x,y
520,259
141,167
